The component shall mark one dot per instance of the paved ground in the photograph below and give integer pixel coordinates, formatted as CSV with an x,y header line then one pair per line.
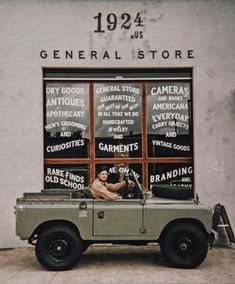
x,y
117,264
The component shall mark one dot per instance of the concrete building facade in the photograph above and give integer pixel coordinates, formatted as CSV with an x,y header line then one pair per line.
x,y
64,35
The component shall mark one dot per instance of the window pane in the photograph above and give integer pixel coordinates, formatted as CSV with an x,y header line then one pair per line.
x,y
118,171
169,119
66,176
118,119
174,174
66,123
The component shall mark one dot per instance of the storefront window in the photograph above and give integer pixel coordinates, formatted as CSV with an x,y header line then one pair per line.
x,y
118,120
171,174
66,176
66,120
118,172
139,120
169,119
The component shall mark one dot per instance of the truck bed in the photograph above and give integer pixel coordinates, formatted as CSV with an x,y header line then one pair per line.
x,y
47,195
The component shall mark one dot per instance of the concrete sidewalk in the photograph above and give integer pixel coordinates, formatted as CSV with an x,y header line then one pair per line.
x,y
117,264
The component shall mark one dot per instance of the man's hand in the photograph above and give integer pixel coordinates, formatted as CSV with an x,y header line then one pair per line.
x,y
131,184
117,197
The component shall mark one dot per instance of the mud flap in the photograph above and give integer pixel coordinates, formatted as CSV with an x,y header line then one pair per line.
x,y
220,214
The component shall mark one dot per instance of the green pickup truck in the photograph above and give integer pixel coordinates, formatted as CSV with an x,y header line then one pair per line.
x,y
62,225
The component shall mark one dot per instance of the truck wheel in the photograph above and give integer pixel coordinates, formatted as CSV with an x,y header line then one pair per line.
x,y
58,247
184,245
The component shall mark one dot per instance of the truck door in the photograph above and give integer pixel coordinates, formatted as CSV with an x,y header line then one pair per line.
x,y
118,218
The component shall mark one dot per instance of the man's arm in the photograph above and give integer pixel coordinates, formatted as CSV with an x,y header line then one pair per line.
x,y
99,191
115,186
104,194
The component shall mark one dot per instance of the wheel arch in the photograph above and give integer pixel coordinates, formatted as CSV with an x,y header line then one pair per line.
x,y
193,221
50,223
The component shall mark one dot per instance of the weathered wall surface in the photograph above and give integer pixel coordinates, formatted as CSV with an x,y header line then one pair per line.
x,y
27,27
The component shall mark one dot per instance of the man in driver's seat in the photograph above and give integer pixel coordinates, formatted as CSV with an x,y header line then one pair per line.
x,y
100,189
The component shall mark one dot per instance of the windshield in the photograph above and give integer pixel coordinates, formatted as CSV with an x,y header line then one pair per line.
x,y
140,189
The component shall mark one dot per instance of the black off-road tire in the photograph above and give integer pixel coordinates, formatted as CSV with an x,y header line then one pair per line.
x,y
184,245
59,247
171,191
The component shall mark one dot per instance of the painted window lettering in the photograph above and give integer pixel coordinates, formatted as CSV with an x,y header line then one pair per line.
x,y
142,124
169,118
66,125
118,119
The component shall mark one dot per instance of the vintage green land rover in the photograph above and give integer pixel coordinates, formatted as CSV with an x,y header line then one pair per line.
x,y
63,224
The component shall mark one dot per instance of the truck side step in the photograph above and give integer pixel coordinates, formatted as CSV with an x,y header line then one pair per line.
x,y
221,214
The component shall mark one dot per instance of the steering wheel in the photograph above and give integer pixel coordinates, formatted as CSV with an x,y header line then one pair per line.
x,y
127,193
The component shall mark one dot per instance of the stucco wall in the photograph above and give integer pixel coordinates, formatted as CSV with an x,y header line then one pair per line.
x,y
27,27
